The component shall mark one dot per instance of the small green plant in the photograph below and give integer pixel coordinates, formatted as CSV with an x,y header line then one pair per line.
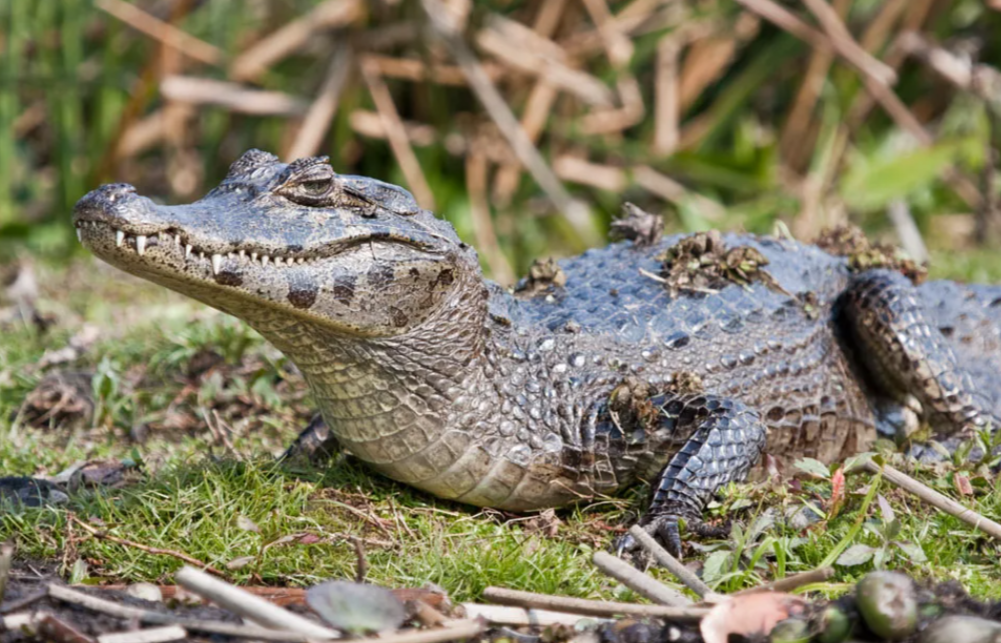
x,y
886,530
749,554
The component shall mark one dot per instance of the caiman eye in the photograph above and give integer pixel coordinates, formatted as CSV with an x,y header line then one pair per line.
x,y
315,188
310,187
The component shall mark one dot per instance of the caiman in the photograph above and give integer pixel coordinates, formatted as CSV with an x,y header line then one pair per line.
x,y
567,388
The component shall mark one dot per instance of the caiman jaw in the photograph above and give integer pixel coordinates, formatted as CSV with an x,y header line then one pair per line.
x,y
195,255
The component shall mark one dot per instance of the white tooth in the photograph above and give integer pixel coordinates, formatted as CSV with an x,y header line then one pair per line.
x,y
141,244
79,234
217,264
177,240
201,255
264,260
253,256
119,238
301,260
279,261
187,251
243,254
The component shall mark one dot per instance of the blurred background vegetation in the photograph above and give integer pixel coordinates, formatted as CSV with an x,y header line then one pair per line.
x,y
525,123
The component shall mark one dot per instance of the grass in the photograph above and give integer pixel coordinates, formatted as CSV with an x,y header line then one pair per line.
x,y
190,493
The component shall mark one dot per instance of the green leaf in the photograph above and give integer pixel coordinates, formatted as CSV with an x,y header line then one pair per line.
x,y
716,564
856,555
355,607
870,185
816,468
914,551
759,526
857,461
879,558
885,509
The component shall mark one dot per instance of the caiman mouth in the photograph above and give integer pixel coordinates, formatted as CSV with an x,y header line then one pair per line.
x,y
193,252
258,255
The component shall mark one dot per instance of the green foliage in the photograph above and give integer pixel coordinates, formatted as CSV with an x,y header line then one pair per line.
x,y
74,79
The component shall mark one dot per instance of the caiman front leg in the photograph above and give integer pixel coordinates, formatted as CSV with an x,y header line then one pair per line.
x,y
720,439
906,358
316,443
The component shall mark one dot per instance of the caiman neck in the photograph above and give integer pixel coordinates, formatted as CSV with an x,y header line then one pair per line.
x,y
387,398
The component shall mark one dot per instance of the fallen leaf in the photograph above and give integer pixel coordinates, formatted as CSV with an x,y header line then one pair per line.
x,y
963,486
356,608
749,615
815,468
856,555
240,563
247,524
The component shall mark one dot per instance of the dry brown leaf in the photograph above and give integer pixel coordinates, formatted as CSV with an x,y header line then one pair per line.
x,y
749,615
963,485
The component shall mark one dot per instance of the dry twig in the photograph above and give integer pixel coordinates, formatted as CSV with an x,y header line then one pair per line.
x,y
249,606
6,556
665,559
575,212
666,87
483,227
146,548
163,32
317,121
519,617
256,60
393,126
637,581
234,97
118,610
532,600
525,50
150,635
791,583
935,499
537,107
456,630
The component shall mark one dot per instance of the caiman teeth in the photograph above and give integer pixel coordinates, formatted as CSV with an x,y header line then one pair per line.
x,y
79,234
142,243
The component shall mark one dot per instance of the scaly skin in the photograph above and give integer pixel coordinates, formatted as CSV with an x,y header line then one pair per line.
x,y
444,381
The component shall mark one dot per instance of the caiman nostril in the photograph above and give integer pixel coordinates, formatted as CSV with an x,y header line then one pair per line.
x,y
113,191
104,196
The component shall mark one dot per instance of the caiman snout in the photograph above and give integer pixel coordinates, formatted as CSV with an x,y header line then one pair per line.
x,y
114,204
102,199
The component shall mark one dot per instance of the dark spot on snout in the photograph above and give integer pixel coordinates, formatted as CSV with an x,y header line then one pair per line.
x,y
400,318
344,288
380,276
445,277
302,289
229,278
414,272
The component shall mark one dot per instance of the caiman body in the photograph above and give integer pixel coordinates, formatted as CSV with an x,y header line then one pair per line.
x,y
442,380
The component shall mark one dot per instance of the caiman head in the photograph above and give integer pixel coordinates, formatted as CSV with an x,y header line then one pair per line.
x,y
298,241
